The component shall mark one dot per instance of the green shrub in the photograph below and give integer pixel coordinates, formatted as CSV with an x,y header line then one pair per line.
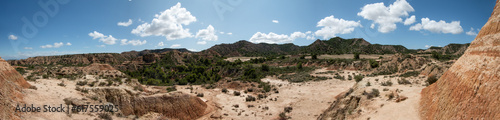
x,y
431,79
81,83
403,82
372,94
224,90
356,55
250,98
236,93
314,57
358,78
170,89
386,83
368,84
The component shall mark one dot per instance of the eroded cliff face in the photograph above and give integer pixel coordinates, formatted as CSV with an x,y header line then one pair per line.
x,y
471,87
11,85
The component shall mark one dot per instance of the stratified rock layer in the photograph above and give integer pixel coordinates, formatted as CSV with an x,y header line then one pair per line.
x,y
11,84
471,87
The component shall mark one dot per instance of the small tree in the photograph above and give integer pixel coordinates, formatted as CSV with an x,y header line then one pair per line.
x,y
356,55
299,65
264,67
358,78
314,57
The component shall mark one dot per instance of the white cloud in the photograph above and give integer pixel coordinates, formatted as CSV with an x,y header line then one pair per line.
x,y
68,44
110,40
168,23
133,42
207,34
410,20
310,38
386,17
270,38
221,32
308,32
126,24
295,35
193,50
471,32
276,21
372,26
229,33
332,26
56,45
175,46
438,27
428,46
28,48
160,44
12,37
201,42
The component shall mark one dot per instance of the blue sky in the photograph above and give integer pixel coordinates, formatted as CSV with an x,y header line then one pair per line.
x,y
29,28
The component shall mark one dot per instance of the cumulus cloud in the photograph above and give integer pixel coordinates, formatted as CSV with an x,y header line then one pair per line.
x,y
12,37
229,33
270,38
56,45
28,48
471,32
410,20
332,26
276,21
175,46
386,16
168,23
438,27
68,44
207,34
221,32
372,26
160,44
126,24
133,42
282,38
110,40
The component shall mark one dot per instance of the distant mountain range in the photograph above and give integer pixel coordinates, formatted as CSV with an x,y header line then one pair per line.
x,y
335,45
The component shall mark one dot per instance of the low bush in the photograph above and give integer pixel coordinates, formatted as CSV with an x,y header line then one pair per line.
x,y
386,83
372,94
404,82
250,98
236,93
358,78
431,79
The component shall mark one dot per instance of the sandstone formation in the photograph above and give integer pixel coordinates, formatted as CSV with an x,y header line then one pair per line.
x,y
11,85
172,105
470,89
104,70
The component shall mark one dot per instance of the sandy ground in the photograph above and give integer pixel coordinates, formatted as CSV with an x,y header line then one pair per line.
x,y
308,99
381,108
50,93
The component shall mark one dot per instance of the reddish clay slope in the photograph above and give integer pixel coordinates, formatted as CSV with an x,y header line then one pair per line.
x,y
11,84
471,87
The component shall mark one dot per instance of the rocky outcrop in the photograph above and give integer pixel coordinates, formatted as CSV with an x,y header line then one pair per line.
x,y
11,85
470,89
173,105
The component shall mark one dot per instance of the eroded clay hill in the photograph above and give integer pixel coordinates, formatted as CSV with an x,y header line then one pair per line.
x,y
470,89
11,85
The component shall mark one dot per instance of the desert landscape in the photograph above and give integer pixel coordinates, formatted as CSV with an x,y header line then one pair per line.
x,y
333,78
